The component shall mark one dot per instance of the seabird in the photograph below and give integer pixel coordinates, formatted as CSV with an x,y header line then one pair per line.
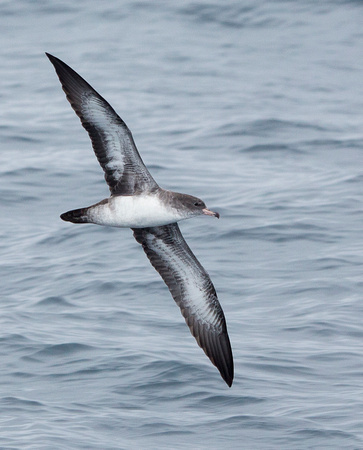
x,y
137,202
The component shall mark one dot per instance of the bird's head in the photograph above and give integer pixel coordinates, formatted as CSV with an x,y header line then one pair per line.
x,y
195,206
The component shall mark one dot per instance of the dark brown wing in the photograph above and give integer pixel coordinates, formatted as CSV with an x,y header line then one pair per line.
x,y
192,290
112,141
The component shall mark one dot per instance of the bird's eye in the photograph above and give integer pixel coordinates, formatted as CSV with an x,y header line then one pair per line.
x,y
198,204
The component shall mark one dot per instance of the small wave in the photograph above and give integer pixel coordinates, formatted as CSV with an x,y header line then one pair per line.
x,y
234,15
23,172
269,148
282,233
331,144
63,349
267,127
17,402
14,340
323,433
228,400
54,302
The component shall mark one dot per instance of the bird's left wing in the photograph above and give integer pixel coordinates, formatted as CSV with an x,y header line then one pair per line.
x,y
192,290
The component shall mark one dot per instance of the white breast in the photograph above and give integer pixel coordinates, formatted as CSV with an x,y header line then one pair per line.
x,y
137,211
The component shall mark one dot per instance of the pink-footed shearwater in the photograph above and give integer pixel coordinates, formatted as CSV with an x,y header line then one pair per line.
x,y
137,202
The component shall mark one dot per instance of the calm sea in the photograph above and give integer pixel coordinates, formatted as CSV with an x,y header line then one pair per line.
x,y
257,108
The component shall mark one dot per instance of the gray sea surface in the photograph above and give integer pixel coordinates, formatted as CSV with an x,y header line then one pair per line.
x,y
257,108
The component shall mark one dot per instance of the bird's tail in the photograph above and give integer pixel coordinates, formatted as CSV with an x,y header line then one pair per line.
x,y
76,216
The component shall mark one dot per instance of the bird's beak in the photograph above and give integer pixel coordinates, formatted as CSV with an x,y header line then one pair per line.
x,y
208,212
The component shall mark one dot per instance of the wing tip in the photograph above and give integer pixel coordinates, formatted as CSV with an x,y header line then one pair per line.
x,y
228,377
223,360
51,58
227,371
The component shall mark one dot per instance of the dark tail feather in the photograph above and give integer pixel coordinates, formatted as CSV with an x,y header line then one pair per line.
x,y
75,216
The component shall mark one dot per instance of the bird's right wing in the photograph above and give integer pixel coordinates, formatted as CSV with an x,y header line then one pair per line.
x,y
112,141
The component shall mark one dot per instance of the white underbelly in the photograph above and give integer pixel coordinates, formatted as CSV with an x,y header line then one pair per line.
x,y
132,212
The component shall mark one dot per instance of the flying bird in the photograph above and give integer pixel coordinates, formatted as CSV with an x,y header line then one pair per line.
x,y
137,202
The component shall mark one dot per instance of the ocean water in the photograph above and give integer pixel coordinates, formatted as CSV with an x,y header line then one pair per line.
x,y
257,108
